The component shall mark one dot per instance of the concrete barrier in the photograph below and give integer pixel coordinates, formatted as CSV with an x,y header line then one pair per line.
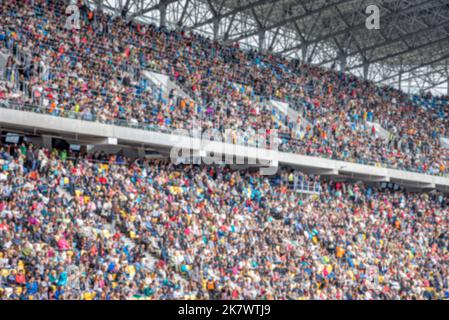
x,y
85,130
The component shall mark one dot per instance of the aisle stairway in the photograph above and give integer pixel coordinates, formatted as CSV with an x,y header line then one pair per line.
x,y
380,131
162,82
291,113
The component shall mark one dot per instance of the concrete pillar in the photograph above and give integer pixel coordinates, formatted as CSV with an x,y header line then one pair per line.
x,y
162,13
343,63
447,86
304,49
141,153
216,27
365,70
99,6
47,142
261,40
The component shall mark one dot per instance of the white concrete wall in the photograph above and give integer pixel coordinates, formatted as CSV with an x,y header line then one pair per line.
x,y
46,123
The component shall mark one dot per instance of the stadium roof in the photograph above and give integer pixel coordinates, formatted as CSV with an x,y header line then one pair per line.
x,y
410,49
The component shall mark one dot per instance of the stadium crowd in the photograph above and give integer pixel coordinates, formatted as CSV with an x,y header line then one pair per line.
x,y
95,74
77,226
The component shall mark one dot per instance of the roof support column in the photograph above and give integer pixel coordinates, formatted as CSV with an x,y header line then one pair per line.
x,y
261,40
447,75
216,27
409,84
401,70
99,6
343,63
162,13
365,70
304,52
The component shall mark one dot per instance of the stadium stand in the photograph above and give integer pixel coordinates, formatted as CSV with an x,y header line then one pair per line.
x,y
98,227
229,87
77,224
